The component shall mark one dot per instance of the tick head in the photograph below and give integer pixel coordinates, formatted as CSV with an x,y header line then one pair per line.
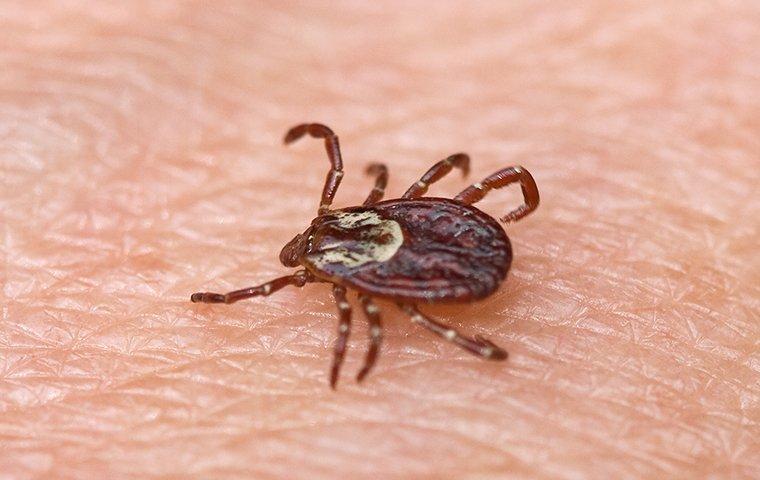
x,y
294,250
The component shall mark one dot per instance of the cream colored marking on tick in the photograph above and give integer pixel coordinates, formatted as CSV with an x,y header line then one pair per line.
x,y
372,309
344,306
375,331
421,184
451,334
267,289
343,328
479,186
363,251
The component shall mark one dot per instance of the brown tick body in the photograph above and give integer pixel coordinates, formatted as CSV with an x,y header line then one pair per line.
x,y
411,250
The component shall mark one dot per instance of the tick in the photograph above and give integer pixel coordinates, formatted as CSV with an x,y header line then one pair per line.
x,y
411,250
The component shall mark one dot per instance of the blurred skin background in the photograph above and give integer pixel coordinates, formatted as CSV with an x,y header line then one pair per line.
x,y
142,161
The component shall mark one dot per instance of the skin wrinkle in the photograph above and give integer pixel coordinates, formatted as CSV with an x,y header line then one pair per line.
x,y
141,162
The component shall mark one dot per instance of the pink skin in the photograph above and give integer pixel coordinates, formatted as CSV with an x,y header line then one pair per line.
x,y
142,161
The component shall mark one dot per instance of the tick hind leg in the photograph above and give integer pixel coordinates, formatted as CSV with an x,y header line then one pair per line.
x,y
478,346
502,178
317,130
380,172
298,279
437,172
344,328
375,335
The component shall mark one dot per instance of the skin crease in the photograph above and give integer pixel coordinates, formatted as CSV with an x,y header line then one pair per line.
x,y
142,161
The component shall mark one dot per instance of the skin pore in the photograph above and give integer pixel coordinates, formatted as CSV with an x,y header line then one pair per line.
x,y
142,161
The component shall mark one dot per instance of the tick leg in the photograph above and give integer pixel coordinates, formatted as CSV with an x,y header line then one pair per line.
x,y
380,172
437,172
298,279
344,328
317,130
375,335
478,346
502,178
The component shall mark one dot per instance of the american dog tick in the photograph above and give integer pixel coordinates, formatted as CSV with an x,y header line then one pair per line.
x,y
412,250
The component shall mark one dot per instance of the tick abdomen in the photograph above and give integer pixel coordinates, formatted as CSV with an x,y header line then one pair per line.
x,y
428,249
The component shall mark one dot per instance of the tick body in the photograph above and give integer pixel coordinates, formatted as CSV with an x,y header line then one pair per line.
x,y
412,250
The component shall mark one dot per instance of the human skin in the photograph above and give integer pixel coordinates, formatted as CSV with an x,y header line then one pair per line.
x,y
142,161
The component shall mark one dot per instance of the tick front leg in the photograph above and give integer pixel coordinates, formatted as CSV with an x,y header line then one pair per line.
x,y
380,172
344,328
334,176
298,279
502,178
478,346
375,335
437,172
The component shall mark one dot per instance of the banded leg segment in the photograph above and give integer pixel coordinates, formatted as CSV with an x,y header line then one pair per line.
x,y
298,279
478,346
375,335
437,172
502,178
344,328
334,176
380,172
